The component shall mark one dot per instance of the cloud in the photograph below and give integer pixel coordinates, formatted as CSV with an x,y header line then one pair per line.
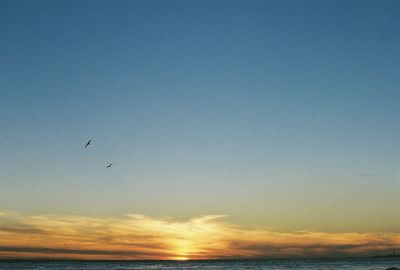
x,y
71,251
143,237
21,229
366,174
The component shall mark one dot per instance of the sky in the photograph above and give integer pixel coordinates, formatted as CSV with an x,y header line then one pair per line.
x,y
271,127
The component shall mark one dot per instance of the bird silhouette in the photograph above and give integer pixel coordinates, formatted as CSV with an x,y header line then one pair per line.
x,y
109,166
88,143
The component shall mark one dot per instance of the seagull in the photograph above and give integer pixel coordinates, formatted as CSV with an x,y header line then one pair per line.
x,y
109,166
88,143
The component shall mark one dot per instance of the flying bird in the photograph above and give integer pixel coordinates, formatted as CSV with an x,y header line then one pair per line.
x,y
109,166
88,143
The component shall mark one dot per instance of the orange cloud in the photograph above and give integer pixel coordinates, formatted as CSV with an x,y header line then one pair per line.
x,y
143,237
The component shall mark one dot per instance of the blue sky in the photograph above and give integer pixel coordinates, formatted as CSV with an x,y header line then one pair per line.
x,y
280,113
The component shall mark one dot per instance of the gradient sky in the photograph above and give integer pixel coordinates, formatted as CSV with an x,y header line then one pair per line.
x,y
276,114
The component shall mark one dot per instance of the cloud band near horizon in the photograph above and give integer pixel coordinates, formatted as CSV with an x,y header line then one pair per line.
x,y
138,237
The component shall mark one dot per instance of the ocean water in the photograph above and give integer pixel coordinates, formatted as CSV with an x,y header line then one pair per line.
x,y
290,264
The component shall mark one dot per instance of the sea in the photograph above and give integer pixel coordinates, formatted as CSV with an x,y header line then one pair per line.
x,y
272,264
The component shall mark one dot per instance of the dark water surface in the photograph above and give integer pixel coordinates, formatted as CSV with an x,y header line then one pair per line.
x,y
309,264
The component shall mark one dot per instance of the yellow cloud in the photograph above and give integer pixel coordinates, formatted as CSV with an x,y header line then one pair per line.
x,y
143,237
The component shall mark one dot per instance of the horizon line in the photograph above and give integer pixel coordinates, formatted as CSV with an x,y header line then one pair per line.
x,y
212,259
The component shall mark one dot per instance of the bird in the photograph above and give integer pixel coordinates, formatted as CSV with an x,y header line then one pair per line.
x,y
109,166
88,143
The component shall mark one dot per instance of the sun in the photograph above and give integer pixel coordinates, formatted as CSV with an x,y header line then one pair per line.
x,y
180,258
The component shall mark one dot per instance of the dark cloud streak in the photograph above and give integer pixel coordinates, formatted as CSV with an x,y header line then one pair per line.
x,y
22,230
43,250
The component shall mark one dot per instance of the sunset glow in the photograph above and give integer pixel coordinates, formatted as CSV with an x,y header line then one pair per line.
x,y
142,237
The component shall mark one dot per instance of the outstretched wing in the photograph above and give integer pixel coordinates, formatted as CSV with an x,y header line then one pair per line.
x,y
88,143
